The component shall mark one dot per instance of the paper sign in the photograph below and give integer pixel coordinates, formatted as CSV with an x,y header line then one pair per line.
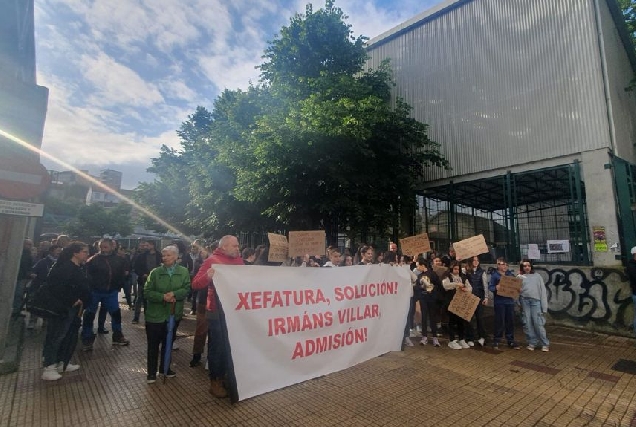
x,y
533,251
307,242
11,207
510,286
415,245
277,248
464,304
470,247
558,246
600,241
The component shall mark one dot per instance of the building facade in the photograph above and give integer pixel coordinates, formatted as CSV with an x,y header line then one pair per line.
x,y
527,98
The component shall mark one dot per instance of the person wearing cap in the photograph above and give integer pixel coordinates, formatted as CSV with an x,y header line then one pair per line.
x,y
631,274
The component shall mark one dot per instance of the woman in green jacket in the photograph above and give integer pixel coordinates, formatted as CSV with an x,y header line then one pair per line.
x,y
167,284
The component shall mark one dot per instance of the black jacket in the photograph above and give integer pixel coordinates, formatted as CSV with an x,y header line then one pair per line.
x,y
141,268
106,272
419,289
631,274
68,283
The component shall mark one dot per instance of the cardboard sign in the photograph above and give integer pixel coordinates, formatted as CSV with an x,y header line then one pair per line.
x,y
415,245
278,248
510,286
464,304
307,242
470,247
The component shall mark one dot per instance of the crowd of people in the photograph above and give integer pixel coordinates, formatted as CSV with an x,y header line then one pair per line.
x,y
83,279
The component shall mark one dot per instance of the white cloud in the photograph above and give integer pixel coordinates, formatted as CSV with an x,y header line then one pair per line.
x,y
123,75
177,89
117,84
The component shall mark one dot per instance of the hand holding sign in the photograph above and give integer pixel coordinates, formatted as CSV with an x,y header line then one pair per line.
x,y
509,286
470,247
415,245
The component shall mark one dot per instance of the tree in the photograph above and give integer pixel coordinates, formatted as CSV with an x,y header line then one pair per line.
x,y
319,143
95,220
629,13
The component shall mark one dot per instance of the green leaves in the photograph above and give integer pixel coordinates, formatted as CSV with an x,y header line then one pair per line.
x,y
318,144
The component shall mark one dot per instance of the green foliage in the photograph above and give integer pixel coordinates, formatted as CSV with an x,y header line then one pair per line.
x,y
629,12
318,144
96,220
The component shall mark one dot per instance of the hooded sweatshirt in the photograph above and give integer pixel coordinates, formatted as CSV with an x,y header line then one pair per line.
x,y
202,281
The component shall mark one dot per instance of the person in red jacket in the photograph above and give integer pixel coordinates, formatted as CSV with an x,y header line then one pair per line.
x,y
228,252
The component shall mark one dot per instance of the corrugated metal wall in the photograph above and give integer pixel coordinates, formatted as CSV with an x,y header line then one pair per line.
x,y
503,82
620,73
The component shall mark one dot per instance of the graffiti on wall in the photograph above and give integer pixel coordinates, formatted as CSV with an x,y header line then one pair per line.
x,y
599,295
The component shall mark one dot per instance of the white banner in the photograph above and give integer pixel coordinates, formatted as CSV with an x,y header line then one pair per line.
x,y
290,324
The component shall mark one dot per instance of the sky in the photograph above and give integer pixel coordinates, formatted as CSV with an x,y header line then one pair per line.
x,y
124,75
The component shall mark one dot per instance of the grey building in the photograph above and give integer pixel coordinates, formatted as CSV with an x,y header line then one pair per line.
x,y
527,98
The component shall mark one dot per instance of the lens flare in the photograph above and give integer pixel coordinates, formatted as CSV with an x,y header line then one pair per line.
x,y
93,181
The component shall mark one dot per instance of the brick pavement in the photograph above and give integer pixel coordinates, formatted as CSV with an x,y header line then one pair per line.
x,y
572,385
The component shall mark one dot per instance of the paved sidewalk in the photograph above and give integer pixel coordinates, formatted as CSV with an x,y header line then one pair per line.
x,y
572,385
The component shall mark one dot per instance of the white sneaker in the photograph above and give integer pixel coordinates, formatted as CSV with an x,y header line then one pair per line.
x,y
408,342
463,344
69,368
454,345
50,373
413,333
470,344
481,341
424,341
72,368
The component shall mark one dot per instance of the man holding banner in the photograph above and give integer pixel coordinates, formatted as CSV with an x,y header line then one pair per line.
x,y
227,253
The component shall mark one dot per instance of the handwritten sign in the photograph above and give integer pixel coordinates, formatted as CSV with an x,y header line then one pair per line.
x,y
307,242
470,247
464,304
509,287
278,248
415,245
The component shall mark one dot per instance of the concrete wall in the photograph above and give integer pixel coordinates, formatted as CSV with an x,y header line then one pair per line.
x,y
600,202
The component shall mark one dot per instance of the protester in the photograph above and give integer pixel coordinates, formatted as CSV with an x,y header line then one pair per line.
x,y
504,308
631,275
479,283
106,272
427,288
455,281
227,253
166,285
534,300
148,259
24,275
69,292
41,270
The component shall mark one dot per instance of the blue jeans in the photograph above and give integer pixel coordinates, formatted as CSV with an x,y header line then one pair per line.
x,y
109,300
534,322
61,337
217,353
634,299
504,319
